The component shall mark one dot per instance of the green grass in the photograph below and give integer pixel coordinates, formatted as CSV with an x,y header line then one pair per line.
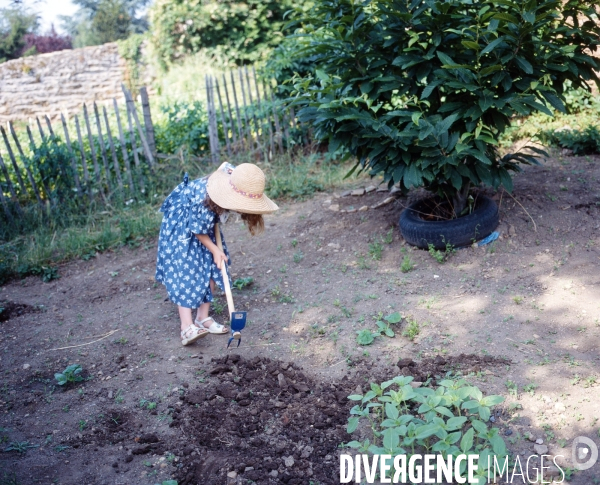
x,y
45,245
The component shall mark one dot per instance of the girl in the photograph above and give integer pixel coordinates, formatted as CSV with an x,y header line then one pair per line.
x,y
189,260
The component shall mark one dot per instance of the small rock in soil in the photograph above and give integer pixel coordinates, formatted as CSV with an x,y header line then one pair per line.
x,y
289,461
540,449
282,382
529,436
358,192
334,207
539,441
508,432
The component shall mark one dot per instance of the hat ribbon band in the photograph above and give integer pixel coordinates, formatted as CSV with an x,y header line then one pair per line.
x,y
245,194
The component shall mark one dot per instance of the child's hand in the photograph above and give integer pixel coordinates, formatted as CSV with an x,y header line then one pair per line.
x,y
219,257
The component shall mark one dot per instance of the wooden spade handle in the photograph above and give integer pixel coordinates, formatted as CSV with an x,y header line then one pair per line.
x,y
224,273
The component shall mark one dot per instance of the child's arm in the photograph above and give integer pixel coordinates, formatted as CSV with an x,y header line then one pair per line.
x,y
218,255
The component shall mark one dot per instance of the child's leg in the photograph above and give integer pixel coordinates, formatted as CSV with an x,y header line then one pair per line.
x,y
203,309
185,315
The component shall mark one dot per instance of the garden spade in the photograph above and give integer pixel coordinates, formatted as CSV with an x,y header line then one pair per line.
x,y
238,319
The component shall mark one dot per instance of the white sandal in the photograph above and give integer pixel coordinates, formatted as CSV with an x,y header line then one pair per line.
x,y
192,333
215,328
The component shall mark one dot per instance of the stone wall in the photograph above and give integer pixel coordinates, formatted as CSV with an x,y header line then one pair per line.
x,y
64,80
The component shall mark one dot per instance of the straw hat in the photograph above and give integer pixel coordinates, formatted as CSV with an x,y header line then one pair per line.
x,y
240,189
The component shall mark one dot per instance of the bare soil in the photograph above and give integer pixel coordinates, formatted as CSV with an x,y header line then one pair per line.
x,y
519,317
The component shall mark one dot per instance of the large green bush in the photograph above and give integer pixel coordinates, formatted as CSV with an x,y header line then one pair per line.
x,y
421,91
236,31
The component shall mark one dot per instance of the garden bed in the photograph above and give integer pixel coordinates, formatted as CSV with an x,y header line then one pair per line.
x,y
517,317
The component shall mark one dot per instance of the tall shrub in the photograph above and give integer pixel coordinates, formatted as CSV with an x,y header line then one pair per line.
x,y
237,31
421,91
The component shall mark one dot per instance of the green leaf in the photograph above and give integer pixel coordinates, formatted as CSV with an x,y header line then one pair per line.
x,y
426,431
492,400
479,426
365,337
488,70
355,397
445,58
352,424
61,378
506,181
322,75
555,101
492,45
391,439
466,443
444,411
506,17
469,44
484,413
498,444
415,117
470,404
529,17
455,422
394,318
524,65
391,411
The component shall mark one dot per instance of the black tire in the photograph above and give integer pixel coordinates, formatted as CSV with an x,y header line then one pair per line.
x,y
457,232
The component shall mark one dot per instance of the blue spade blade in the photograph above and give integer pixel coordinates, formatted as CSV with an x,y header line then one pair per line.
x,y
238,321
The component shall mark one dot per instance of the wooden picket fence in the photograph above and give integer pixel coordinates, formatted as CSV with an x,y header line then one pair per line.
x,y
98,174
250,117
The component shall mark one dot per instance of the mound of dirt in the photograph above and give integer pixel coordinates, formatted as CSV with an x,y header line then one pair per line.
x,y
270,424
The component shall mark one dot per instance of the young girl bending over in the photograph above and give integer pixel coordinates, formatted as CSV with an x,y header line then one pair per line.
x,y
189,259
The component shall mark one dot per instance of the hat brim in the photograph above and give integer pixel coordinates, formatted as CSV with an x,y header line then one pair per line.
x,y
222,193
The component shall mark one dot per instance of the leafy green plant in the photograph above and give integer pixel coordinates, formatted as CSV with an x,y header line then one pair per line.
x,y
375,250
384,326
234,32
581,141
449,420
183,126
439,255
422,92
407,264
241,283
70,375
20,446
412,328
365,337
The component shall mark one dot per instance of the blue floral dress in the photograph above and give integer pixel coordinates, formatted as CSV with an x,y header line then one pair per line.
x,y
184,265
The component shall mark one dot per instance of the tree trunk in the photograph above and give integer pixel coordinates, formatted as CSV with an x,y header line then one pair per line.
x,y
459,201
